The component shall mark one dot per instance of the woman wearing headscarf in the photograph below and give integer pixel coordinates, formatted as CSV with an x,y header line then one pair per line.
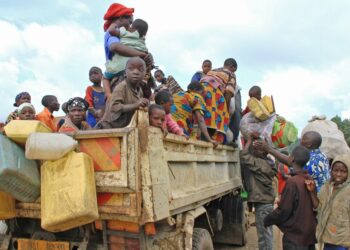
x,y
75,119
121,16
20,98
219,87
333,206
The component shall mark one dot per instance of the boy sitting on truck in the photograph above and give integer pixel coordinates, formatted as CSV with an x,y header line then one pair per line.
x,y
258,172
126,97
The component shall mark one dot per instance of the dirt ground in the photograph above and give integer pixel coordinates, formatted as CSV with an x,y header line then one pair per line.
x,y
252,243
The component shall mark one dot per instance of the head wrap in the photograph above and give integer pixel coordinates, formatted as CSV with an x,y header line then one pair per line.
x,y
77,102
25,105
19,96
116,10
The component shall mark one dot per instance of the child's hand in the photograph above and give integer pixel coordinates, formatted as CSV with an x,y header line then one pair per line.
x,y
215,143
310,185
143,102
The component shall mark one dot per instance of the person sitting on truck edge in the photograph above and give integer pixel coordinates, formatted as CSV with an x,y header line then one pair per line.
x,y
20,98
206,67
318,165
95,96
156,115
259,172
165,99
26,111
51,105
126,97
188,109
75,120
294,215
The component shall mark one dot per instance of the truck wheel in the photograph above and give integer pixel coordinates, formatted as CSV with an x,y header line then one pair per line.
x,y
201,240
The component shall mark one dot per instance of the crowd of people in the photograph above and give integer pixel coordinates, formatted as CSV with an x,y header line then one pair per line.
x,y
208,110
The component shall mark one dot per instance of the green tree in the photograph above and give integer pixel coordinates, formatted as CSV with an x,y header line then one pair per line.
x,y
344,126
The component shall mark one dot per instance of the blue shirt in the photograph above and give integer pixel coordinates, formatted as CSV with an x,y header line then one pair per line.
x,y
107,43
318,168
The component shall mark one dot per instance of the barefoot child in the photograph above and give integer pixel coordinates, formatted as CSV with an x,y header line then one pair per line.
x,y
51,105
126,97
95,96
165,99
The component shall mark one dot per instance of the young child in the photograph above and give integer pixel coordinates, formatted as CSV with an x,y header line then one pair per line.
x,y
166,82
51,105
294,215
132,38
127,97
206,67
26,111
156,115
189,109
20,98
95,96
165,99
333,206
259,172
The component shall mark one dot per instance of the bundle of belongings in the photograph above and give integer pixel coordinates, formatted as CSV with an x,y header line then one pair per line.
x,y
333,141
260,116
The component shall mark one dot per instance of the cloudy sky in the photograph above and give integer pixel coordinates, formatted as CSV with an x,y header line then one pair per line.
x,y
298,51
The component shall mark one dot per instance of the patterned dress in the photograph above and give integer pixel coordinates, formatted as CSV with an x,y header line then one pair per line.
x,y
318,168
185,103
218,116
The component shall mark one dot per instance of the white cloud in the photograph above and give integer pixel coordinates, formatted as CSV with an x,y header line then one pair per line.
x,y
299,93
54,59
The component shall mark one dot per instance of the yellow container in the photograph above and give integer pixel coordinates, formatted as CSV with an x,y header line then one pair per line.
x,y
258,109
7,206
19,130
68,193
268,103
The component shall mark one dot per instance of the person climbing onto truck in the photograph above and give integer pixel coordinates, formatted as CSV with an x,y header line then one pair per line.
x,y
95,96
219,89
51,105
126,98
26,111
258,173
20,98
75,120
165,99
189,109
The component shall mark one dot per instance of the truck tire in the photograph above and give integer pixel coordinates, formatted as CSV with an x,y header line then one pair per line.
x,y
201,239
234,229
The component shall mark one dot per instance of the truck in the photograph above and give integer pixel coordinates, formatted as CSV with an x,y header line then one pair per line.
x,y
154,192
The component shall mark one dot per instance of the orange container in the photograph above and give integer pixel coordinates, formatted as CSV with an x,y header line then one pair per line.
x,y
105,152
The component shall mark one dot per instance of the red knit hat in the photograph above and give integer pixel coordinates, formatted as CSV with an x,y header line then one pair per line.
x,y
116,10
